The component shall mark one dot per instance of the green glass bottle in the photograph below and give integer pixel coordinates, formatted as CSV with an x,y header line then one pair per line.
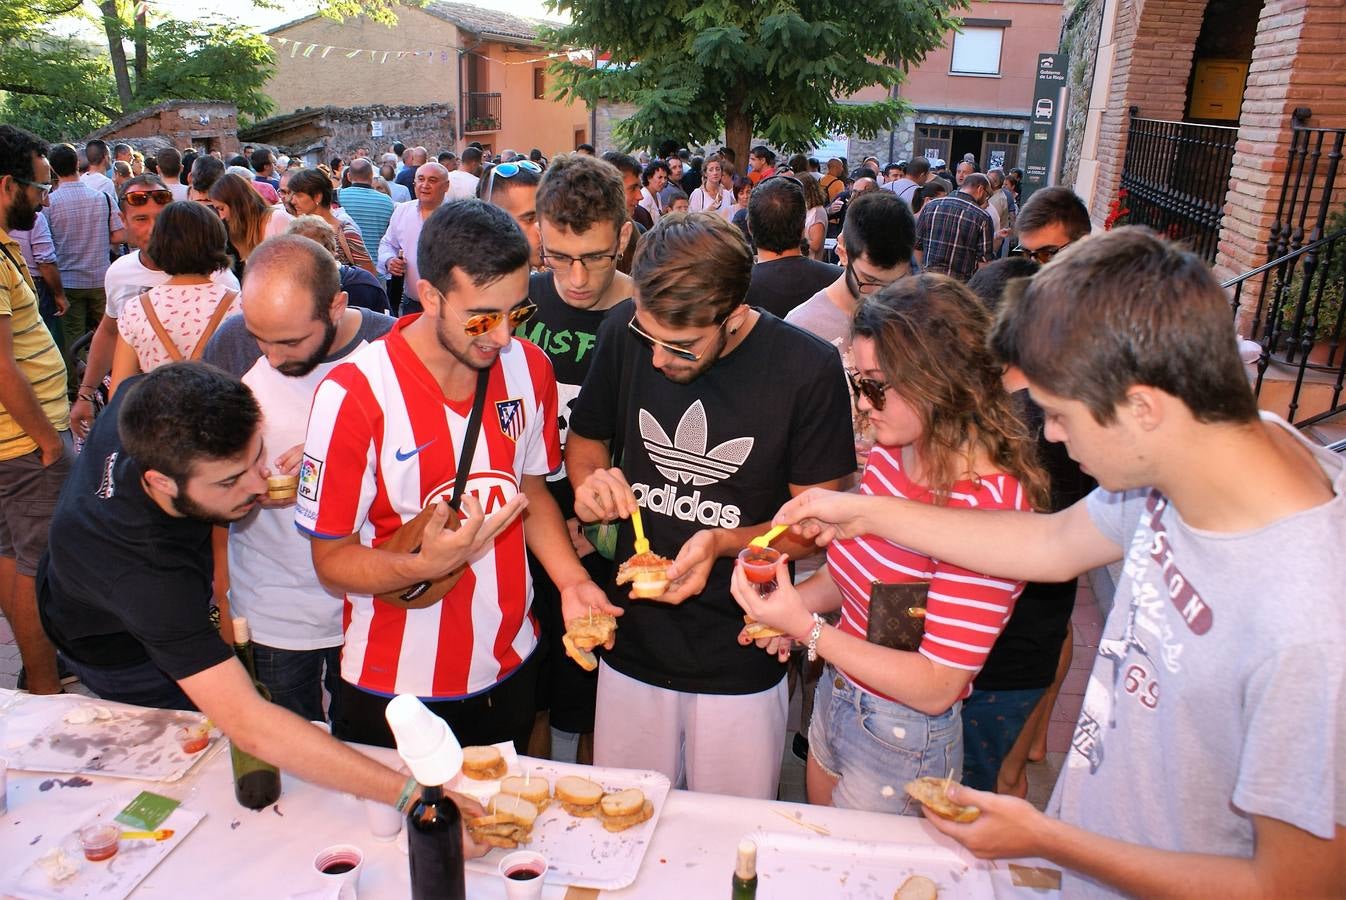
x,y
745,872
256,782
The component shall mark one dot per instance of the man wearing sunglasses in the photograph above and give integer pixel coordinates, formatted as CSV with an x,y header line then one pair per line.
x,y
720,410
1051,220
512,186
142,199
384,442
581,223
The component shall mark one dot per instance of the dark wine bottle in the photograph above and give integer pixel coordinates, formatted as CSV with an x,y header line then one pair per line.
x,y
435,847
256,782
745,872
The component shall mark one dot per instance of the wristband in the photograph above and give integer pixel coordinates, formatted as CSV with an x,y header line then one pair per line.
x,y
812,644
404,799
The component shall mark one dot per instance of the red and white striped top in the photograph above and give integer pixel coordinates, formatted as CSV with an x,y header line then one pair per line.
x,y
382,443
966,611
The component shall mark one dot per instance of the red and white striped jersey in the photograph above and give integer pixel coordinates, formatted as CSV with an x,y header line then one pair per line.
x,y
382,444
965,611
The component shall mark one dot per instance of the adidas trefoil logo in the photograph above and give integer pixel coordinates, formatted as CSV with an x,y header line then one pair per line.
x,y
685,458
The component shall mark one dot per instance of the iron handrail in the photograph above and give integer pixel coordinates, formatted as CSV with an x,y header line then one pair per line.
x,y
1281,260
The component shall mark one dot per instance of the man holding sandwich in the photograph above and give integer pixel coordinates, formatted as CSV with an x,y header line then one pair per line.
x,y
703,412
1226,638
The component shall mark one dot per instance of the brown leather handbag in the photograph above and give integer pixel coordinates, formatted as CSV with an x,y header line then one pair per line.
x,y
407,539
897,614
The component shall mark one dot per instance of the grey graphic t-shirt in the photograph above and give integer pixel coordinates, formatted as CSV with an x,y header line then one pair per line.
x,y
1219,691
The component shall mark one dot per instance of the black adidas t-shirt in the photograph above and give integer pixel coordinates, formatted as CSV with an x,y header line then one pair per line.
x,y
718,452
569,337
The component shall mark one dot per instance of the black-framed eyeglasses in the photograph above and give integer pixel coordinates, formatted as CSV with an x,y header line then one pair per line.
x,y
679,352
1041,255
862,287
482,323
508,170
590,262
872,390
43,189
140,198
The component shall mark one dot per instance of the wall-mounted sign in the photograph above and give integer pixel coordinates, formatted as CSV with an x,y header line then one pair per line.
x,y
376,129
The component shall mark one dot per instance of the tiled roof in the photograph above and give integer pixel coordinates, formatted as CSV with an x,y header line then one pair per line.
x,y
485,21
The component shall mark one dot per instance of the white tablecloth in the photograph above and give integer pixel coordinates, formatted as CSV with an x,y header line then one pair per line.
x,y
240,853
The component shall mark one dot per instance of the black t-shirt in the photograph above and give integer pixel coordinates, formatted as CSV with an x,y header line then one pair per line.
x,y
1026,653
779,285
720,451
568,336
122,581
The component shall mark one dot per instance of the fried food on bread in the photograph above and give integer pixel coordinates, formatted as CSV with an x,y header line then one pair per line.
x,y
930,793
535,789
579,796
585,633
759,630
508,822
483,763
647,573
624,809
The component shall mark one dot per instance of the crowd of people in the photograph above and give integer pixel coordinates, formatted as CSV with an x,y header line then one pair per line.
x,y
478,379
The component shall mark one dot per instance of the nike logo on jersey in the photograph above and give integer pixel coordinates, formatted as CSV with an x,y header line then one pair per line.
x,y
404,455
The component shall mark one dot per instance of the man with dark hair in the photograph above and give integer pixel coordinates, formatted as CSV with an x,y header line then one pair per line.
x,y
35,445
761,163
295,328
384,439
955,235
399,247
654,178
206,170
630,171
85,225
463,180
582,223
892,172
917,174
449,160
874,248
783,277
675,170
169,161
714,412
585,149
368,208
1051,220
263,164
513,188
99,165
134,273
125,593
1125,342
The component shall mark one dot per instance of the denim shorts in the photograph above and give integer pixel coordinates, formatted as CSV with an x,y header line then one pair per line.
x,y
874,746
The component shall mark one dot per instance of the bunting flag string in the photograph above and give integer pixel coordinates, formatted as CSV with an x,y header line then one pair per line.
x,y
381,56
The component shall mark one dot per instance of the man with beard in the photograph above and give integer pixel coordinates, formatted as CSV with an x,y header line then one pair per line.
x,y
125,591
34,414
721,411
295,328
448,399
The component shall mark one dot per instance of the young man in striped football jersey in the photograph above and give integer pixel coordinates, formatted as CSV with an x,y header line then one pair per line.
x,y
385,435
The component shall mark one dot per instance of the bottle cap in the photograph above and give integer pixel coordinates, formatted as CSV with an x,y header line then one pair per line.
x,y
424,740
242,633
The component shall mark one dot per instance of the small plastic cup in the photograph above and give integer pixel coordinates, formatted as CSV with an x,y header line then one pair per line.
x,y
339,865
523,873
100,840
282,487
759,564
193,738
384,820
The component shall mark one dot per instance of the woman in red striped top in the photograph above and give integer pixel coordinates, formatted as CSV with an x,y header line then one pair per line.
x,y
946,434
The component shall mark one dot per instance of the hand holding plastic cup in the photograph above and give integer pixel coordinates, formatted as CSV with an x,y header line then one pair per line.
x,y
523,873
759,564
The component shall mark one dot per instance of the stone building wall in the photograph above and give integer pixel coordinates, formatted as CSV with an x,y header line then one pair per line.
x,y
1079,41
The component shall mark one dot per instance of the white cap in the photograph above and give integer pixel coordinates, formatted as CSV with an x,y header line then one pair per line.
x,y
424,740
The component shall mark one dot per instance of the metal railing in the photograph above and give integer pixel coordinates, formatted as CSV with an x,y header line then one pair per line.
x,y
483,112
1300,320
1176,175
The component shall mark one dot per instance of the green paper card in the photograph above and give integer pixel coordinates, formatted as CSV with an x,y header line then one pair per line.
x,y
147,811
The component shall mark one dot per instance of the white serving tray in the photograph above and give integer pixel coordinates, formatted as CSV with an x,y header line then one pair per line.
x,y
799,865
579,851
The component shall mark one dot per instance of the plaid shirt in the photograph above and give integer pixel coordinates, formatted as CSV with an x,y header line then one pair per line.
x,y
82,221
954,235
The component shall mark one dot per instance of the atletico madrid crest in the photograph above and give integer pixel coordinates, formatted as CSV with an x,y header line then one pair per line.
x,y
510,413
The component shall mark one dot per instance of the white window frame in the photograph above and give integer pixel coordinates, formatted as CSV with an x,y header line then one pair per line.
x,y
979,36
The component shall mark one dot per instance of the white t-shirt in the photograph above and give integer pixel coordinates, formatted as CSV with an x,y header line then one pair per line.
x,y
276,223
100,182
462,186
128,277
184,310
816,215
178,190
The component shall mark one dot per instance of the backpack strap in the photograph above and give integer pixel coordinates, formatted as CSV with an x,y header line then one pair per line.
x,y
221,310
174,354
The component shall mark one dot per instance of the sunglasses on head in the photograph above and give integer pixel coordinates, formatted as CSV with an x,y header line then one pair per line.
x,y
140,198
481,323
508,170
872,390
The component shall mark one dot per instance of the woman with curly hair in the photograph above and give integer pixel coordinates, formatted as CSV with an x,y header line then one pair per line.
x,y
245,214
713,195
311,195
888,710
815,216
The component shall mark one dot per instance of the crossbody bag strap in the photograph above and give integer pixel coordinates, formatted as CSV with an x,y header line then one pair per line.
x,y
152,317
345,245
470,440
221,310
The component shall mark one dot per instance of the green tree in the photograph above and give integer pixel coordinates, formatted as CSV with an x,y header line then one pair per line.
x,y
773,68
